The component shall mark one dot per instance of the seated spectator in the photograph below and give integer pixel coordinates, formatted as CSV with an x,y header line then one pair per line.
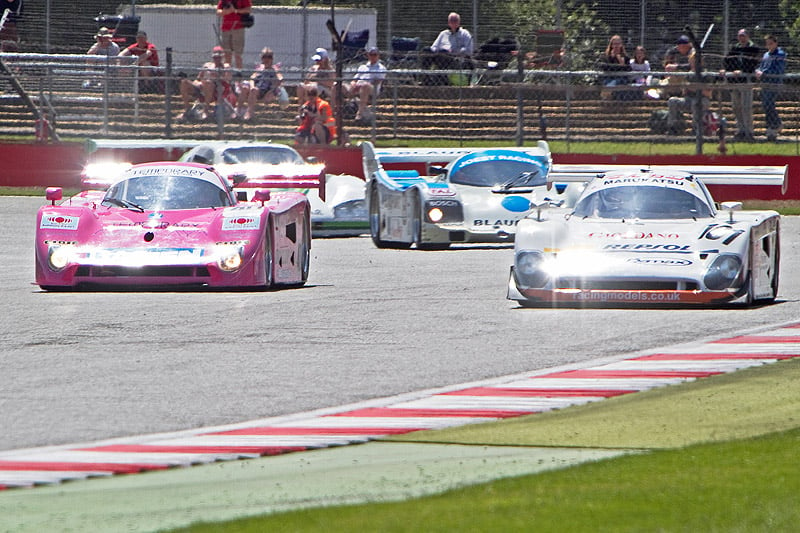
x,y
317,125
639,63
686,102
265,83
367,81
213,78
146,56
103,46
321,74
615,59
452,49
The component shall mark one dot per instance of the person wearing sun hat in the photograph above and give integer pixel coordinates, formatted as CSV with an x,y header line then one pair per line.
x,y
367,81
104,45
321,75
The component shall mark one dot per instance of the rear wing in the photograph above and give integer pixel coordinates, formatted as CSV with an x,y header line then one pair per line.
x,y
275,176
281,182
709,174
373,158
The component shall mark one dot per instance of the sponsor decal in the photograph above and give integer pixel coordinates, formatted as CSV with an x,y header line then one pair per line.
x,y
499,222
59,222
648,247
650,178
633,235
659,261
442,203
241,223
441,192
516,204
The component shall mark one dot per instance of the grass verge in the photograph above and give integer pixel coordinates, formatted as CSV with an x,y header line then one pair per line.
x,y
729,469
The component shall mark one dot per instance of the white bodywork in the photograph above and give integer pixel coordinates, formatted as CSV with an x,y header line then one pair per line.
x,y
433,207
668,245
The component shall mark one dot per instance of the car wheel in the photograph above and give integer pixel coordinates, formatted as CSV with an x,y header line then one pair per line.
x,y
305,249
375,223
269,256
375,219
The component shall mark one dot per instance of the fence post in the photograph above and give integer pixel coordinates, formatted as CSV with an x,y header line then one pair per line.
x,y
520,99
168,96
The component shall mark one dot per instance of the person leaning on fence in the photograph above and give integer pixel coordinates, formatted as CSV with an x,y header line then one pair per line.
x,y
452,49
322,75
232,30
367,82
146,55
317,124
677,59
204,88
104,45
740,65
770,72
265,84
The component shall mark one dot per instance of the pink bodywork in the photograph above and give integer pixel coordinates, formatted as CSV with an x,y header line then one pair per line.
x,y
110,245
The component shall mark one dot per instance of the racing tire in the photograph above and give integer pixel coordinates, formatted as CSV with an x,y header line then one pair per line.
x,y
417,229
305,248
269,256
375,224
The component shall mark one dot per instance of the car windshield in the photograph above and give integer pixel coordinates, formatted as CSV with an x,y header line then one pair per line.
x,y
499,173
161,192
274,155
641,202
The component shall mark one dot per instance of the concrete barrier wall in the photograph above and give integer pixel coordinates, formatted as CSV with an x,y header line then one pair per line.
x,y
40,165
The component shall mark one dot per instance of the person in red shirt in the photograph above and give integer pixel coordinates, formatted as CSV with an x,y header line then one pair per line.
x,y
317,124
232,30
146,56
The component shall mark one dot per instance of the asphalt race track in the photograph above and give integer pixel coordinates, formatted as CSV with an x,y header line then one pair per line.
x,y
84,366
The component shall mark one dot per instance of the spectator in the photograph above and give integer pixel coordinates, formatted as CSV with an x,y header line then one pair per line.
x,y
322,75
678,104
740,64
265,83
146,56
232,30
677,58
317,125
103,46
9,38
213,79
367,82
615,59
452,49
640,64
770,71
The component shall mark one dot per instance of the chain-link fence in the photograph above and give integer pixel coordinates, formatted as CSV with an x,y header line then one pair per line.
x,y
534,72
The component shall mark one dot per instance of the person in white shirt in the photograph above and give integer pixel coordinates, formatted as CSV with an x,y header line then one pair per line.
x,y
367,81
452,50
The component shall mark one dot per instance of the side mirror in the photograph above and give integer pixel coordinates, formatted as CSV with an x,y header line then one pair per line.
x,y
261,195
730,207
54,194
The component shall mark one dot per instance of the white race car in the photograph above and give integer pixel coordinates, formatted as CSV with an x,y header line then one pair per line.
x,y
476,196
337,206
649,237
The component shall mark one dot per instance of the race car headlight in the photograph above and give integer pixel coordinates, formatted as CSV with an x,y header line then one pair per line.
x,y
230,260
58,257
528,267
722,272
437,211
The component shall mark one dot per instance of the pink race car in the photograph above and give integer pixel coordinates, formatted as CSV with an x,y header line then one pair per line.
x,y
170,224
